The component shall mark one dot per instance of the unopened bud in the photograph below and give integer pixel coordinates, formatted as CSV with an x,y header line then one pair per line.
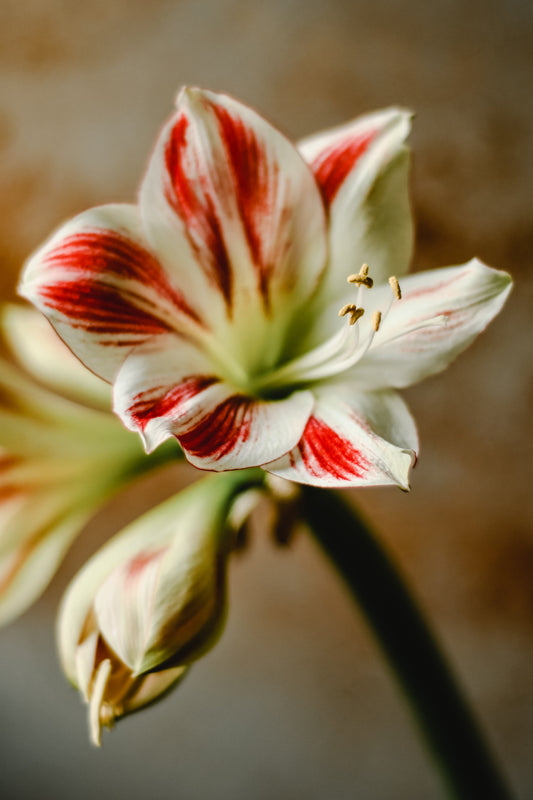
x,y
148,604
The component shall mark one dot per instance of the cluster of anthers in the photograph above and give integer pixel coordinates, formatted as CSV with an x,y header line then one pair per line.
x,y
342,350
356,310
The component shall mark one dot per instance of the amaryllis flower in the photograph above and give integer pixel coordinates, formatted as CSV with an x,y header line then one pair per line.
x,y
213,305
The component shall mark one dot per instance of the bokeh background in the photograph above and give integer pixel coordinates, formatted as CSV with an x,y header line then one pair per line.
x,y
296,702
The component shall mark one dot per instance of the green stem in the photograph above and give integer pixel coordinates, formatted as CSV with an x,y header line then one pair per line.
x,y
442,712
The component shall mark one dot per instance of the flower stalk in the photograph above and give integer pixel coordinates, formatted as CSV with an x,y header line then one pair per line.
x,y
447,723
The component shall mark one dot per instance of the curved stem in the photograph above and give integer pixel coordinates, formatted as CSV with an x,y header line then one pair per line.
x,y
449,728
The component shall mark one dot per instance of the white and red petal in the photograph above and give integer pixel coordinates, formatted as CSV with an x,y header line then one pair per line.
x,y
352,439
174,390
156,385
103,290
234,431
440,313
232,208
362,170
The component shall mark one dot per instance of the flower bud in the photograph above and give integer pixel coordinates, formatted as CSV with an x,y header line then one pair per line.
x,y
148,603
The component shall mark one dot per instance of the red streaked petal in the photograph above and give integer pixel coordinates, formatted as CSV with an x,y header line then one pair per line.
x,y
362,170
327,454
333,164
100,309
225,190
440,314
233,431
279,210
173,390
352,440
193,200
157,384
336,155
161,401
102,289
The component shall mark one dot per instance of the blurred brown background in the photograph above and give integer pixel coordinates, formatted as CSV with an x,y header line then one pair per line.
x,y
296,702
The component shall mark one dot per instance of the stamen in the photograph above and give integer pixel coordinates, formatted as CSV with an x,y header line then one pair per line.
x,y
97,698
376,320
395,286
362,278
346,309
354,312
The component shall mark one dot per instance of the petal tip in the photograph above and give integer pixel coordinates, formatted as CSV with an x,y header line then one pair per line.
x,y
499,281
153,436
191,97
402,473
23,289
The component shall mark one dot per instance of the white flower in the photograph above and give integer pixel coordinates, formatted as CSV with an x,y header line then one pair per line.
x,y
212,306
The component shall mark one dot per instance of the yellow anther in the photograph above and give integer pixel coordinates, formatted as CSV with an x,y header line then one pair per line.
x,y
346,309
357,314
395,286
361,279
354,312
376,320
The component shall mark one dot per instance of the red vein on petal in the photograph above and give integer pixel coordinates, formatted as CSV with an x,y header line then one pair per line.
x,y
105,253
157,402
432,288
256,183
333,164
135,566
220,431
189,197
327,454
101,309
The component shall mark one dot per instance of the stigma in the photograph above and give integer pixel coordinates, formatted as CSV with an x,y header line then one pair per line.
x,y
363,281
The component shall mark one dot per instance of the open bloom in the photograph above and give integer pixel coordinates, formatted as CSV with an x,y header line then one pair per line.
x,y
150,602
212,306
59,460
